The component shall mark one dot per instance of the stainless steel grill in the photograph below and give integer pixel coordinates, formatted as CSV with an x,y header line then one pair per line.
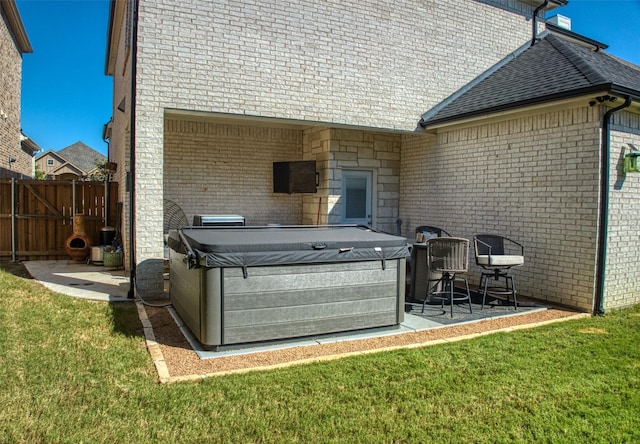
x,y
226,220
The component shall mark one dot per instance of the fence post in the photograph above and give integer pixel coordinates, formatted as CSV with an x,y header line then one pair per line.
x,y
106,201
13,219
73,200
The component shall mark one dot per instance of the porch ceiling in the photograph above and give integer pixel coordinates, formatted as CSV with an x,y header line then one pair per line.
x,y
265,121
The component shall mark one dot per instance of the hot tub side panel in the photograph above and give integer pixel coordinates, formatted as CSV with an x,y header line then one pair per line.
x,y
196,297
302,300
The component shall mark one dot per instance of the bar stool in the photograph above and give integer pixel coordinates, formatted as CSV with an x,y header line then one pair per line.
x,y
448,256
491,256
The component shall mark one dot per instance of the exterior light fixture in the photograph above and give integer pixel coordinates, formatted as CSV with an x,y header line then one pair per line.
x,y
631,162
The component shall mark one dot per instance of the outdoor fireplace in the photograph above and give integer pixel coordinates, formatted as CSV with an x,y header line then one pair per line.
x,y
78,244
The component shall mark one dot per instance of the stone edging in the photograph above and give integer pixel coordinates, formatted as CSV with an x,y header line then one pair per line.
x,y
165,378
153,346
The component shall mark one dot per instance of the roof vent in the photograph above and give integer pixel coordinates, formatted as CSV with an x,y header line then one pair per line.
x,y
560,21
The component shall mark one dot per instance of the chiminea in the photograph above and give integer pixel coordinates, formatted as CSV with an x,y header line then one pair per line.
x,y
78,244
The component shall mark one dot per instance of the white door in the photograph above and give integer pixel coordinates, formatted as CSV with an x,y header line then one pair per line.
x,y
356,197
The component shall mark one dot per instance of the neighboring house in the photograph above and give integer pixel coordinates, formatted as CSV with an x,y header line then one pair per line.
x,y
440,113
16,152
77,161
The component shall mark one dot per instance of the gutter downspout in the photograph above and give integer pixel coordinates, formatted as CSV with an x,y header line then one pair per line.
x,y
132,153
534,30
603,216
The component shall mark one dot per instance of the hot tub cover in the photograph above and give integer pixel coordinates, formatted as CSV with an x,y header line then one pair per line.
x,y
284,245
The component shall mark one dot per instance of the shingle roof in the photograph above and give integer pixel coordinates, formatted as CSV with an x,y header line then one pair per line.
x,y
552,69
82,156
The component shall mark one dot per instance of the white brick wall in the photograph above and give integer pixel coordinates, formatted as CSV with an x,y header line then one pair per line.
x,y
372,65
119,144
213,168
532,178
216,168
375,64
368,66
622,282
343,62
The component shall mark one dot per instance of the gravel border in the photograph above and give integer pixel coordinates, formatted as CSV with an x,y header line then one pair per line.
x,y
175,360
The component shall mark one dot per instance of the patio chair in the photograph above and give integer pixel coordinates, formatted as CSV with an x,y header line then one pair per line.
x,y
497,255
417,269
448,256
431,231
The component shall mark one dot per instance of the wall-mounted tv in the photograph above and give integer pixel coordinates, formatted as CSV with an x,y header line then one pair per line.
x,y
294,177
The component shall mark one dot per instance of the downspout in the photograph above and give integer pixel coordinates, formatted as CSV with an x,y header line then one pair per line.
x,y
534,30
132,153
603,216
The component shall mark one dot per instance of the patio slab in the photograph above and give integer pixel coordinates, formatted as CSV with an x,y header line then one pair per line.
x,y
80,280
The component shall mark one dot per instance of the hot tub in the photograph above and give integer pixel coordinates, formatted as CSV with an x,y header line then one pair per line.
x,y
239,285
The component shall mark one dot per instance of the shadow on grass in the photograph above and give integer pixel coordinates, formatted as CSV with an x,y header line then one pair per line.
x,y
16,268
125,320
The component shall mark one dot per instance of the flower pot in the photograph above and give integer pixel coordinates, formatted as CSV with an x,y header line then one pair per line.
x,y
112,259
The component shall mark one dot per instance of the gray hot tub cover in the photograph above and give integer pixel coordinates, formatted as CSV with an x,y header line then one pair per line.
x,y
284,245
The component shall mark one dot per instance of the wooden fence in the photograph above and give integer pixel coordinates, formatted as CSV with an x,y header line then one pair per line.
x,y
36,216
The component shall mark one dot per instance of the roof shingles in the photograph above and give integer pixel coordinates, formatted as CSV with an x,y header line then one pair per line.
x,y
82,156
552,69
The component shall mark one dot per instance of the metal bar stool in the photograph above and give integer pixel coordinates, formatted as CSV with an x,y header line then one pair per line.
x,y
450,257
492,256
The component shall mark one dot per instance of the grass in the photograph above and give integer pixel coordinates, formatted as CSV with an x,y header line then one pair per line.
x,y
78,371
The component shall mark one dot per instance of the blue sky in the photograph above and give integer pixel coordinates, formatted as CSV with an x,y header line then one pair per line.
x,y
67,98
613,22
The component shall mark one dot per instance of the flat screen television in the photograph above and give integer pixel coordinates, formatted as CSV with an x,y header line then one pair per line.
x,y
294,177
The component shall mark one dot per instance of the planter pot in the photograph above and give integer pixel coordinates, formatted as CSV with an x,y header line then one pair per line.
x,y
112,259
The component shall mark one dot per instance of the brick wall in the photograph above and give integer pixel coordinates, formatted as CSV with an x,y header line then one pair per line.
x,y
10,85
216,168
376,64
367,65
622,283
119,143
213,168
531,178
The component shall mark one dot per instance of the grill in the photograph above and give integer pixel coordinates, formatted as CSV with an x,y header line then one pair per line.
x,y
229,220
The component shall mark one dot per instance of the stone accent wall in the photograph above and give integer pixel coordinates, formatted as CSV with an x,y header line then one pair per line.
x,y
337,149
531,178
622,281
10,89
317,146
214,168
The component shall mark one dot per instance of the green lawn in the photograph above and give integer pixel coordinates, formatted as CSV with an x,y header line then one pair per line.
x,y
78,371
